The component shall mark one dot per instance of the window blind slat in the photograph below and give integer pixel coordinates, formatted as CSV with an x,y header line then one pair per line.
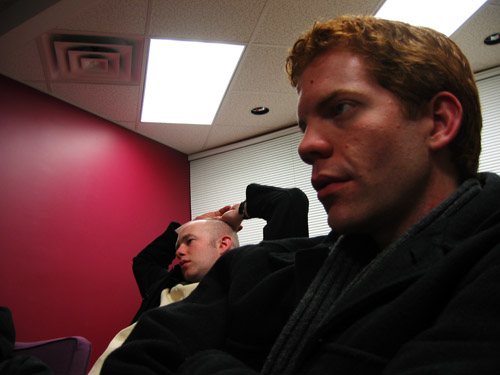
x,y
489,92
222,179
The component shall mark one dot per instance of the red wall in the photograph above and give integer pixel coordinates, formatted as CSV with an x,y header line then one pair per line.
x,y
79,197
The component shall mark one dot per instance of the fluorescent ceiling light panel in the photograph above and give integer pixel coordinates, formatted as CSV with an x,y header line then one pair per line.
x,y
445,16
186,81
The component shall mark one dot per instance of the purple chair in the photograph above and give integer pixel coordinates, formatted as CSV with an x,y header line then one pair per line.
x,y
65,355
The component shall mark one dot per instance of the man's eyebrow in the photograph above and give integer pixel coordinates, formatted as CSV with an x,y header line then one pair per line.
x,y
183,238
324,104
180,240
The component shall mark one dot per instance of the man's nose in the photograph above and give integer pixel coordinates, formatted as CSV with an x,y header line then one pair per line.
x,y
181,250
315,144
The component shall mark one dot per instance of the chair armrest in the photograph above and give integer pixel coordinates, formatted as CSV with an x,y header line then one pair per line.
x,y
65,355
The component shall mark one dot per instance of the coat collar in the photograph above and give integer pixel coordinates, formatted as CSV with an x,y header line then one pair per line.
x,y
423,246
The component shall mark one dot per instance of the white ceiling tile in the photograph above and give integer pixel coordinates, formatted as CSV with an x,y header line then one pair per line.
x,y
42,22
207,20
470,38
224,135
113,102
235,110
186,138
263,69
130,125
110,16
22,64
285,20
39,85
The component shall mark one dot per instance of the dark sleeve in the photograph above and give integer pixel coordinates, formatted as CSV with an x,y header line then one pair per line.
x,y
9,363
23,364
285,210
151,264
465,337
7,334
226,326
167,336
214,362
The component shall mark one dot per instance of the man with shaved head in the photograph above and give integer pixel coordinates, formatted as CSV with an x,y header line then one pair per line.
x,y
200,244
197,244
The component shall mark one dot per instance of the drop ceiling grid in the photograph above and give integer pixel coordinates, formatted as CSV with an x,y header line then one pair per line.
x,y
266,27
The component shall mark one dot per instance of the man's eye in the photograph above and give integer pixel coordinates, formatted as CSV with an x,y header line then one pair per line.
x,y
341,108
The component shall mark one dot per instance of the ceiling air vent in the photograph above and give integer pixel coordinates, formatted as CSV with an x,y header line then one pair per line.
x,y
91,58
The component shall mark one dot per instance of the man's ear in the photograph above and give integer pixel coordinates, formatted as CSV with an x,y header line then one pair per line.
x,y
225,243
447,117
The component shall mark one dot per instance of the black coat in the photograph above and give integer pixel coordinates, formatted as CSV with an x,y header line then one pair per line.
x,y
10,363
431,307
284,210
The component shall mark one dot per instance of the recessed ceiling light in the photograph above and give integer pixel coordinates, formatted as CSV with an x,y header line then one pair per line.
x,y
492,39
445,16
186,81
259,110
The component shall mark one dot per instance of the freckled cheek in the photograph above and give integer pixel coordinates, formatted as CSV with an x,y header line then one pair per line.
x,y
369,155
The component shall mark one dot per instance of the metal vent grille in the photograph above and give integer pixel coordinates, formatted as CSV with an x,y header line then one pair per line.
x,y
92,58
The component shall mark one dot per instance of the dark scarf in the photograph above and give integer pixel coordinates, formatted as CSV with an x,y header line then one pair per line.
x,y
350,259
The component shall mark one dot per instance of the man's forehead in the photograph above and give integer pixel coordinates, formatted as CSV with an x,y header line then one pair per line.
x,y
191,227
332,74
334,60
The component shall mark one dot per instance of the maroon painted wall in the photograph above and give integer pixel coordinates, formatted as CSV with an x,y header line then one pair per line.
x,y
79,197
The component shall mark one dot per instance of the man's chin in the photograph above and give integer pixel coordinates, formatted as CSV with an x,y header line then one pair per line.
x,y
335,221
341,225
190,278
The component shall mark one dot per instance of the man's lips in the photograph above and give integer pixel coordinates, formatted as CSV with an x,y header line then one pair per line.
x,y
327,185
184,263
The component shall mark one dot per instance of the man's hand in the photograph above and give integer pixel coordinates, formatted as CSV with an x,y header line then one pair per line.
x,y
233,217
228,214
214,214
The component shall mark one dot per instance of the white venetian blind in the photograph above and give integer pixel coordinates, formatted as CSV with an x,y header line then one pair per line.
x,y
222,178
489,92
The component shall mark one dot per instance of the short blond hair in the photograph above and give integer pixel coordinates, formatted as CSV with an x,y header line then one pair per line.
x,y
216,229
